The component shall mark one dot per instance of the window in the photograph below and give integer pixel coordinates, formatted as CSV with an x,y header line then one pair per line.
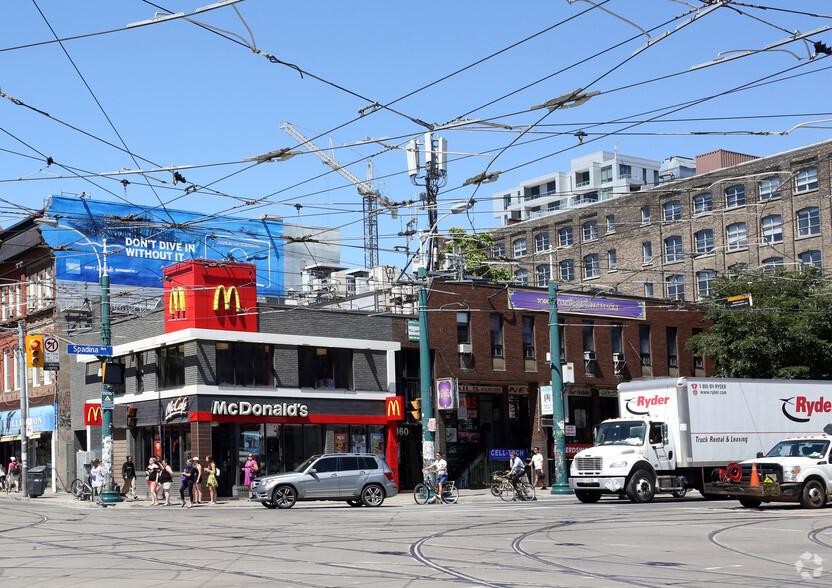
x,y
496,335
648,289
519,247
672,211
673,249
808,221
606,174
551,188
521,276
581,179
737,238
772,263
591,268
325,367
810,259
647,253
769,188
506,201
624,171
735,196
565,237
7,371
541,242
702,203
773,229
806,180
704,282
534,193
499,250
244,364
737,269
590,231
588,333
170,362
612,260
528,337
610,223
645,214
617,339
567,270
644,344
672,349
138,361
544,274
676,287
704,241
463,327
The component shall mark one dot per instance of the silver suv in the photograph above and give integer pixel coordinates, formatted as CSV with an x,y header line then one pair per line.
x,y
357,478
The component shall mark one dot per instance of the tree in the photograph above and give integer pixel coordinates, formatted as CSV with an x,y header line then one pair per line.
x,y
787,333
474,251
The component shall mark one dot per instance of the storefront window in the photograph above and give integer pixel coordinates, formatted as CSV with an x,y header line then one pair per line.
x,y
244,364
320,367
171,366
358,436
376,433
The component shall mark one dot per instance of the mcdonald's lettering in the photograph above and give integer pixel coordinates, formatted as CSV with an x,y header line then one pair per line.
x,y
227,295
395,408
176,301
92,414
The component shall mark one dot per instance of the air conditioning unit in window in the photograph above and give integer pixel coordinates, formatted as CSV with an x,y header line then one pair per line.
x,y
589,356
465,348
618,357
617,363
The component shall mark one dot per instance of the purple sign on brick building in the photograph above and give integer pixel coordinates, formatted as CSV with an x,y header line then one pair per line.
x,y
577,304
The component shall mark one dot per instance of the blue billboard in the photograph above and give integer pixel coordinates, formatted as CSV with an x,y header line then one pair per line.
x,y
142,241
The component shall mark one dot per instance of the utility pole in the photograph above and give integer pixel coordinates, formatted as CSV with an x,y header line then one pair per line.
x,y
428,445
24,404
560,485
109,495
432,174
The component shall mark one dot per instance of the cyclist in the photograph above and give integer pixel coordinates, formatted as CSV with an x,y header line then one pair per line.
x,y
516,469
441,467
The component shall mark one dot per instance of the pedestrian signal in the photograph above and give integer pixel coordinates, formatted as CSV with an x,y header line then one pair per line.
x,y
131,416
34,351
416,410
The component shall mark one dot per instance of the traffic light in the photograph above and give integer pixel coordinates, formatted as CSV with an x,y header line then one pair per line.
x,y
34,351
131,416
416,409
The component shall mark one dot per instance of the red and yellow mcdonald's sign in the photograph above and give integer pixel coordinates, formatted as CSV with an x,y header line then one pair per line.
x,y
227,295
176,300
92,414
395,408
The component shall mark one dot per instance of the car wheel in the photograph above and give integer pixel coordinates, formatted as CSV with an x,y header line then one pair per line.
x,y
750,502
269,504
587,496
372,495
284,497
641,488
355,503
813,495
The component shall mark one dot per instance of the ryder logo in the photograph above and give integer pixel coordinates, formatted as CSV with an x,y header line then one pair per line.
x,y
800,409
642,405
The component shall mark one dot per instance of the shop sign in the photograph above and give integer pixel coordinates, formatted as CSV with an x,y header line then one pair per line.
x,y
176,408
285,409
395,408
608,393
476,389
578,304
468,405
223,297
505,454
518,389
578,392
412,330
92,414
41,418
447,394
573,448
547,401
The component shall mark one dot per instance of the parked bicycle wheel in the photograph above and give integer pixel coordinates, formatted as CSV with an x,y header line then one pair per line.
x,y
77,488
450,495
421,493
496,488
507,492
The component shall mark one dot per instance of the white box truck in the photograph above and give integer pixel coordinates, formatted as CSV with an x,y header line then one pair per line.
x,y
673,433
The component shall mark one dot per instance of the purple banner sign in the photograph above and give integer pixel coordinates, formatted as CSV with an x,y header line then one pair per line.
x,y
577,304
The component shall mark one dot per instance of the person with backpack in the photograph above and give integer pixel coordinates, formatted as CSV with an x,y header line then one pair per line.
x,y
13,475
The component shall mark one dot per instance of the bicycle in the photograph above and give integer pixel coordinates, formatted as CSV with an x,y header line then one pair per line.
x,y
502,486
81,490
426,490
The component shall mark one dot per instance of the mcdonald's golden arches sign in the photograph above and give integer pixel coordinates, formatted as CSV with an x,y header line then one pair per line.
x,y
395,408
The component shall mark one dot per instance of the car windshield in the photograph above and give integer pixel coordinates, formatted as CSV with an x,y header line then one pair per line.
x,y
812,448
621,433
302,467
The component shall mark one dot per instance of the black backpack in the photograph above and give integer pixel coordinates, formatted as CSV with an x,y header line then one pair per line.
x,y
16,469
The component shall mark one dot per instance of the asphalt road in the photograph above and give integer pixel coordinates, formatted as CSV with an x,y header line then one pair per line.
x,y
481,541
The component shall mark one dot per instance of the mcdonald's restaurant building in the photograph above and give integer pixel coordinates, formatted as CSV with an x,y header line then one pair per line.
x,y
232,375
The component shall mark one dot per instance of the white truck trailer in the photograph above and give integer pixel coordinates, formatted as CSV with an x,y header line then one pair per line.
x,y
673,433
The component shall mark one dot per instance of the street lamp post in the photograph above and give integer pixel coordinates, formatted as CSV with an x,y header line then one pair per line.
x,y
560,486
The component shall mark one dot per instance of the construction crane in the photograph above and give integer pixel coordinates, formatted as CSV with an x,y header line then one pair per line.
x,y
371,198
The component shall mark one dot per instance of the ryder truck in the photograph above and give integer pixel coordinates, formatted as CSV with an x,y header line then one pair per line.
x,y
673,433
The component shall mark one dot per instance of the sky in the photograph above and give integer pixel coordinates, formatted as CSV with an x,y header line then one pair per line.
x,y
204,92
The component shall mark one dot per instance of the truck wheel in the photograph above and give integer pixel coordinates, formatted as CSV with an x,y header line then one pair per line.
x,y
680,493
587,496
750,502
641,488
813,495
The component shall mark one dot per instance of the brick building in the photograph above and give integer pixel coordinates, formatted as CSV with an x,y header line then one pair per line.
x,y
495,339
672,240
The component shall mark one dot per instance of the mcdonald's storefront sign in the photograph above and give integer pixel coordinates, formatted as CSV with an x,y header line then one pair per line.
x,y
92,414
395,408
177,301
227,298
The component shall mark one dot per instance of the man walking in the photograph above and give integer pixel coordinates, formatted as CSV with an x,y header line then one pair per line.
x,y
128,472
537,466
97,479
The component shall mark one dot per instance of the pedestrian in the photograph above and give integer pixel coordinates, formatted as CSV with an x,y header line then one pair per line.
x,y
128,472
198,480
188,477
537,466
2,477
441,467
165,479
13,475
152,473
97,480
250,468
516,468
213,472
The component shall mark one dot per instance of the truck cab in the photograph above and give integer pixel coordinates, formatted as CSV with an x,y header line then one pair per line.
x,y
629,457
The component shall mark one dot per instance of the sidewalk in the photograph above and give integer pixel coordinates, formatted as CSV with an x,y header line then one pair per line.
x,y
66,499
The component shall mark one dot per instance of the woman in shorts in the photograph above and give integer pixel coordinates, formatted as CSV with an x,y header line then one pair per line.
x,y
165,479
152,473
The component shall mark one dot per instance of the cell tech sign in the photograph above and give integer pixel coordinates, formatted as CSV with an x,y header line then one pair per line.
x,y
202,294
801,409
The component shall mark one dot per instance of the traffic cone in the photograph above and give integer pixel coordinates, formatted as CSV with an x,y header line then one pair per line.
x,y
755,479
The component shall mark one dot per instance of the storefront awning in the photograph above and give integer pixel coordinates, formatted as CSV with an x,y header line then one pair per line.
x,y
5,438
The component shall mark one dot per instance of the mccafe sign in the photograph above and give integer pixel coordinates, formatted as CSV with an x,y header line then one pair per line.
x,y
176,408
284,409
